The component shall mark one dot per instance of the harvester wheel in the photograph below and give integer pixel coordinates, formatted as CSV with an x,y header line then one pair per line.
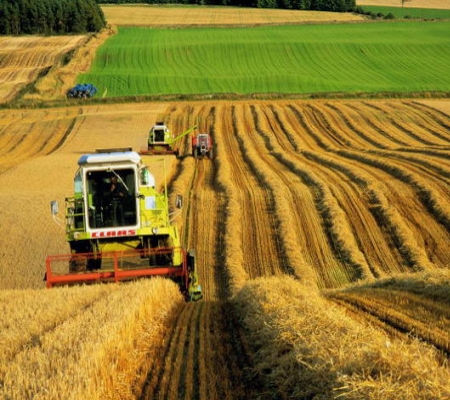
x,y
191,260
211,153
195,153
194,290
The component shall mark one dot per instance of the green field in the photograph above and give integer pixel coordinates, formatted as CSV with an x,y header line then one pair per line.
x,y
366,57
406,12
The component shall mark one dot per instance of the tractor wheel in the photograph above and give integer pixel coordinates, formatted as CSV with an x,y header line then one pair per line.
x,y
196,153
211,153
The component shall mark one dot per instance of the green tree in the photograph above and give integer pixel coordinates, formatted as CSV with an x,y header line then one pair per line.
x,y
50,16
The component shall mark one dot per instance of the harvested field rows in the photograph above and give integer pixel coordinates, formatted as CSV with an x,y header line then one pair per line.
x,y
326,194
202,357
414,308
24,59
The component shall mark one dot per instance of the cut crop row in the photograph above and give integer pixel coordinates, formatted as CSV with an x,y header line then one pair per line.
x,y
421,123
330,167
405,312
425,220
289,180
401,119
21,140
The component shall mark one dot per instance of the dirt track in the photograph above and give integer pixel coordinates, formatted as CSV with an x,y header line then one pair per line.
x,y
330,192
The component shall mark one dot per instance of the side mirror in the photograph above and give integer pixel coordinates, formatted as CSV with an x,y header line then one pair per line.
x,y
179,201
54,207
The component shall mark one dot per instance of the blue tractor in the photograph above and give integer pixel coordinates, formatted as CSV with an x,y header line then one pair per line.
x,y
82,91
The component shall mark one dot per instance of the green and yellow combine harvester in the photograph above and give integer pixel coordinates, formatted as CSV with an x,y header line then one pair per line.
x,y
118,227
161,141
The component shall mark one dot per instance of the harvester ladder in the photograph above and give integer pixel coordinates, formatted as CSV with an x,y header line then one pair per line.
x,y
72,217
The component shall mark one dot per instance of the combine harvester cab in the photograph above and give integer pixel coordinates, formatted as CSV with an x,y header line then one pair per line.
x,y
161,141
202,146
118,227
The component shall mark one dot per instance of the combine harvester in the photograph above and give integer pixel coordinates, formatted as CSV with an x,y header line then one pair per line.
x,y
118,227
161,141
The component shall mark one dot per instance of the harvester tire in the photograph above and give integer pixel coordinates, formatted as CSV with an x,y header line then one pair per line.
x,y
191,259
194,290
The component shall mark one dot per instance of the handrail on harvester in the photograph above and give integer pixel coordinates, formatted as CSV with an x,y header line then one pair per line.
x,y
116,273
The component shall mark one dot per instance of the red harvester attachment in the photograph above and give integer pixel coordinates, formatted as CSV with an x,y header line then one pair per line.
x,y
118,266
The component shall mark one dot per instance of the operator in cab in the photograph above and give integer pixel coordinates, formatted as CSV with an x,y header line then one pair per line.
x,y
116,189
116,195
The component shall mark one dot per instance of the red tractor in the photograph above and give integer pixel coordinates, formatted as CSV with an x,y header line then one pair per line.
x,y
202,146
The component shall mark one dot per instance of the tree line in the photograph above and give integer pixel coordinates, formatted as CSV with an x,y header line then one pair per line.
x,y
50,17
316,5
53,17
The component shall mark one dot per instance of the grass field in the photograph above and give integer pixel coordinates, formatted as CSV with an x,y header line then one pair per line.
x,y
431,4
383,57
409,12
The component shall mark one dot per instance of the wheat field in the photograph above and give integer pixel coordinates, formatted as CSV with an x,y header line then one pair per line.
x,y
343,203
145,15
25,59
